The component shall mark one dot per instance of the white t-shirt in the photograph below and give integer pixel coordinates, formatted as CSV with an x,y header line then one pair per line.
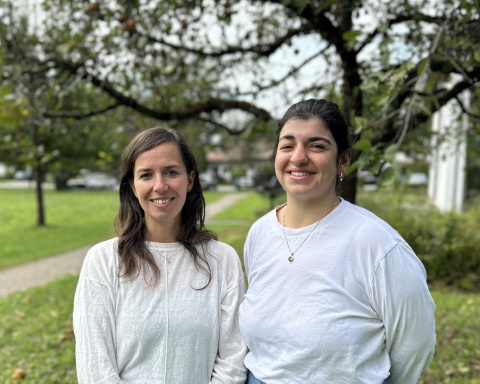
x,y
353,306
129,333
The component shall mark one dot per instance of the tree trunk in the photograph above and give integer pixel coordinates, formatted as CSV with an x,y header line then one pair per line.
x,y
39,193
61,181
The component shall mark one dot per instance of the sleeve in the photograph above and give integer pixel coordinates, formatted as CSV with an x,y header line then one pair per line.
x,y
94,324
401,298
229,367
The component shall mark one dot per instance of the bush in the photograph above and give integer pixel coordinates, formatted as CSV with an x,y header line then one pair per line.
x,y
448,244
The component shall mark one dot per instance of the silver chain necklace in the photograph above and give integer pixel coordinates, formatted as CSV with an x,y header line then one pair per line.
x,y
291,258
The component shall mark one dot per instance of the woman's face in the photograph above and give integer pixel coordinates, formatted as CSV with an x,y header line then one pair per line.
x,y
161,183
306,160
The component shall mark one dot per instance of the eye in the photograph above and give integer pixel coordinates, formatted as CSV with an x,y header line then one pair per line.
x,y
319,145
144,175
286,146
171,172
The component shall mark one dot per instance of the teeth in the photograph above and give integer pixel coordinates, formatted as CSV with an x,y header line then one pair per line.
x,y
163,201
299,173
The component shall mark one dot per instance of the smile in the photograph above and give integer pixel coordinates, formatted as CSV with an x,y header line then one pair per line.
x,y
300,173
162,201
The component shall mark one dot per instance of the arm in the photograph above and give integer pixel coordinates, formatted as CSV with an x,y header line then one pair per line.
x,y
229,367
401,298
94,326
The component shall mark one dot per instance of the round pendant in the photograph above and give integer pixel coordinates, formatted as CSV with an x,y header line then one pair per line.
x,y
290,258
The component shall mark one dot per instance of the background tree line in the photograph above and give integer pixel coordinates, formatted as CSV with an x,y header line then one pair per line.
x,y
79,78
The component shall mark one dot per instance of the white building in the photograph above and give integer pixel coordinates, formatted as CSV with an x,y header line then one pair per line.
x,y
446,181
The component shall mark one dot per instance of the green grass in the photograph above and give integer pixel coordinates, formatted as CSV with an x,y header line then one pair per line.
x,y
233,223
74,219
36,335
457,353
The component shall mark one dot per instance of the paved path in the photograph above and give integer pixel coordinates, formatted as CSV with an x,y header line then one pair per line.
x,y
37,273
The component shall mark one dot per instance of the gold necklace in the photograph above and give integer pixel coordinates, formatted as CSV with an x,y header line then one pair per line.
x,y
291,258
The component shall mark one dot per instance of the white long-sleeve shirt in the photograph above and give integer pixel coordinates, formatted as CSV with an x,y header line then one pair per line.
x,y
353,306
127,332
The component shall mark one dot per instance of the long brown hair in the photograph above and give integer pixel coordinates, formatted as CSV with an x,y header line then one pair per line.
x,y
129,223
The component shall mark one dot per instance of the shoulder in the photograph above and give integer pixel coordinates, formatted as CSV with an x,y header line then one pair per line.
x,y
222,251
365,223
263,223
101,258
225,258
104,250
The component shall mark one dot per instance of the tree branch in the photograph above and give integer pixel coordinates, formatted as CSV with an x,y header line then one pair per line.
x,y
290,73
80,116
187,112
221,126
261,50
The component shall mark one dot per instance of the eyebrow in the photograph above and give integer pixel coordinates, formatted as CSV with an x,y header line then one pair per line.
x,y
140,170
309,140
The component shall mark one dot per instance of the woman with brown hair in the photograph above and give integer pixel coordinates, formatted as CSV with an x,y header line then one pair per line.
x,y
159,304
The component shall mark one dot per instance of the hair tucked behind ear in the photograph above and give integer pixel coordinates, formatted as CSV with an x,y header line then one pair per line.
x,y
129,223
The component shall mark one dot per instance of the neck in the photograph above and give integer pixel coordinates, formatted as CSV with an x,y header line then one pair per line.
x,y
161,233
304,214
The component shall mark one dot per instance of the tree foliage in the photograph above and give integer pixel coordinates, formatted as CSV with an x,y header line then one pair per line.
x,y
235,66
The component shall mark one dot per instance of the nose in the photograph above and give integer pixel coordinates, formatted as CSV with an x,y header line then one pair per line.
x,y
160,184
299,156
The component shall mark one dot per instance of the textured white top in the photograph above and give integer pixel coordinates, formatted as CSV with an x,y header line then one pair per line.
x,y
353,307
129,333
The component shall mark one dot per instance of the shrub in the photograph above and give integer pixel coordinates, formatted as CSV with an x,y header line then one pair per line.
x,y
448,244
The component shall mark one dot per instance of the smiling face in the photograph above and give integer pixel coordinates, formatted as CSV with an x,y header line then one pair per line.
x,y
161,183
306,160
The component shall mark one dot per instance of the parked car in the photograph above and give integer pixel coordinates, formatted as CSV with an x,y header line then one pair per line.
x,y
264,183
94,180
23,174
244,182
208,181
417,179
368,181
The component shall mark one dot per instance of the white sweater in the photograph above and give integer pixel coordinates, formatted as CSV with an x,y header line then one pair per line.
x,y
353,306
129,333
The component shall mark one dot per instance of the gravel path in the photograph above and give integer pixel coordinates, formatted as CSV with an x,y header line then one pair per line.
x,y
37,273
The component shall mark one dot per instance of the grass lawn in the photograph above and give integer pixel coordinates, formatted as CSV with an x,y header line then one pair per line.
x,y
74,219
233,223
457,353
36,334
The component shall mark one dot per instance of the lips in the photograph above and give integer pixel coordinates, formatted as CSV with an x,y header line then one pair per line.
x,y
162,201
300,173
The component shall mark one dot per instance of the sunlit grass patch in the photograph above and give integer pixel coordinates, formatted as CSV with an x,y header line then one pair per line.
x,y
73,219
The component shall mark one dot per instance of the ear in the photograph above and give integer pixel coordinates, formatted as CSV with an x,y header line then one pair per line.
x,y
191,178
344,161
132,185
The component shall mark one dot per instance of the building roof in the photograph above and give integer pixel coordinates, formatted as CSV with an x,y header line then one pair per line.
x,y
258,150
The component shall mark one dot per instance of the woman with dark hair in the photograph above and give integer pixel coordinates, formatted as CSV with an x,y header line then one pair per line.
x,y
159,304
335,294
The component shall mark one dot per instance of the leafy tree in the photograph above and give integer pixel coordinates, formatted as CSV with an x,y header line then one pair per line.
x,y
235,66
